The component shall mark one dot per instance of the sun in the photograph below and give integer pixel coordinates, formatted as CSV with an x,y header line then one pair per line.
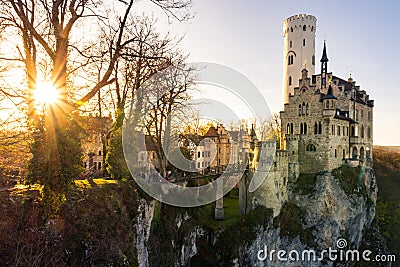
x,y
46,94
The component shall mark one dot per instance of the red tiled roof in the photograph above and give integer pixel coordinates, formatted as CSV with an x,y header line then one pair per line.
x,y
212,132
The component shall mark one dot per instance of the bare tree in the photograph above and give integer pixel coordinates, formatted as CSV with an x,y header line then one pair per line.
x,y
166,98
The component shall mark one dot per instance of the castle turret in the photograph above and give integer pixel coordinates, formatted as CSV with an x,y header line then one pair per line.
x,y
299,33
329,103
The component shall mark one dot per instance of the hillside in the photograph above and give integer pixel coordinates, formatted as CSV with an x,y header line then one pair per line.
x,y
387,170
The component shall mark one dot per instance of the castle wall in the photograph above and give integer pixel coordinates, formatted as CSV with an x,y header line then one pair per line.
x,y
273,191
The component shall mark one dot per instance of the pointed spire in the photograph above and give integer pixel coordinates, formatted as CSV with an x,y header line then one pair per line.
x,y
330,90
324,54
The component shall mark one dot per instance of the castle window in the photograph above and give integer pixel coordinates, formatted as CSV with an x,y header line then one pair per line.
x,y
355,153
307,109
198,165
305,128
344,132
311,148
313,60
362,114
304,28
290,60
301,128
288,129
299,109
198,154
291,127
335,153
99,152
369,132
362,131
353,131
304,42
315,128
320,128
333,129
290,44
291,29
290,80
312,28
338,130
303,109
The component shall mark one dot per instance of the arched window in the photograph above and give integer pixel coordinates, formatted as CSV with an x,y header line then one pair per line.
x,y
320,128
355,153
290,80
288,129
311,148
304,28
301,128
304,42
313,60
305,128
315,128
361,153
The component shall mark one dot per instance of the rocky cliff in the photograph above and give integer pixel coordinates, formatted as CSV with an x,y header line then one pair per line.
x,y
321,209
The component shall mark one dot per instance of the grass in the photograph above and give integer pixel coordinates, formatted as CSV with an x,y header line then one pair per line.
x,y
86,184
231,207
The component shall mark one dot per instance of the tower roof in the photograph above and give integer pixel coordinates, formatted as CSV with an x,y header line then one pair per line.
x,y
329,94
324,54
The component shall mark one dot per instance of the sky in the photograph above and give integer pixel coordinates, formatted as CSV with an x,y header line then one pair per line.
x,y
362,38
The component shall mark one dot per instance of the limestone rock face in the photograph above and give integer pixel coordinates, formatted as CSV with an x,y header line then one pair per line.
x,y
329,215
326,209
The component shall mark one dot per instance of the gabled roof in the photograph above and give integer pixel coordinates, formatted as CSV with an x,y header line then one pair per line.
x,y
212,132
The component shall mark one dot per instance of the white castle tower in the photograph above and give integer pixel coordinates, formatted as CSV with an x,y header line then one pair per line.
x,y
299,32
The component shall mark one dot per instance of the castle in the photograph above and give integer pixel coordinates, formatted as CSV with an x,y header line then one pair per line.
x,y
327,121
